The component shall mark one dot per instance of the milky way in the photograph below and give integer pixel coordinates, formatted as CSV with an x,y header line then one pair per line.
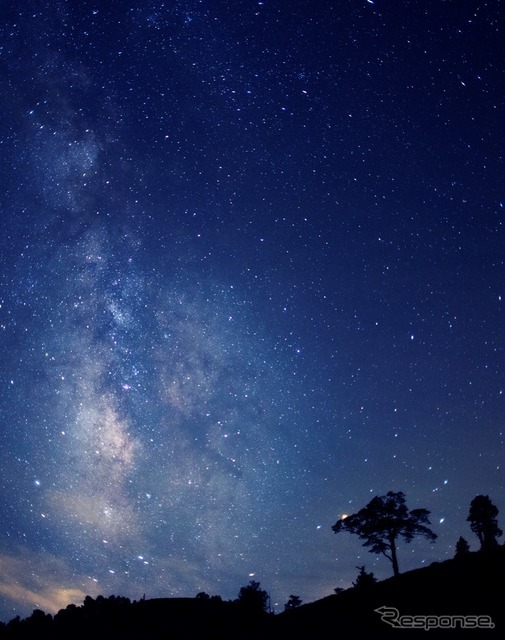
x,y
251,276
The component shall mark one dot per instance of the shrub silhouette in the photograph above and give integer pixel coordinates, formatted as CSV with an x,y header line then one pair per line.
x,y
292,603
364,579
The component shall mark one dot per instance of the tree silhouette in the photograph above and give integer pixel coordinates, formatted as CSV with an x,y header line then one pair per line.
x,y
253,599
483,522
383,521
462,547
365,579
292,603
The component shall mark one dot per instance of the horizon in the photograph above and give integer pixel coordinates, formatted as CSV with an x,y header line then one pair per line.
x,y
271,609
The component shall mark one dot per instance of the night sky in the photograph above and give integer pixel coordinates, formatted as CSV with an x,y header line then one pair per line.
x,y
252,275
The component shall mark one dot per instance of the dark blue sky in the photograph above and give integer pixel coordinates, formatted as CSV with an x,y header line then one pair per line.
x,y
252,275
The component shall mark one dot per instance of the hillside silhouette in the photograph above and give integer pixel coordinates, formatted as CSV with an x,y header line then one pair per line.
x,y
470,586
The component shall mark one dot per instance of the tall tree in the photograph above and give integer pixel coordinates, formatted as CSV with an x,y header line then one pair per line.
x,y
483,521
383,521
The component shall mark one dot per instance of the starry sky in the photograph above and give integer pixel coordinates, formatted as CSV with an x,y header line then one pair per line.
x,y
252,275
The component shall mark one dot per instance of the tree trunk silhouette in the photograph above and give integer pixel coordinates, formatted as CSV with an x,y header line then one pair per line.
x,y
394,558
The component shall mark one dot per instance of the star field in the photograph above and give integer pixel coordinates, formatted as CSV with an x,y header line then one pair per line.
x,y
252,275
